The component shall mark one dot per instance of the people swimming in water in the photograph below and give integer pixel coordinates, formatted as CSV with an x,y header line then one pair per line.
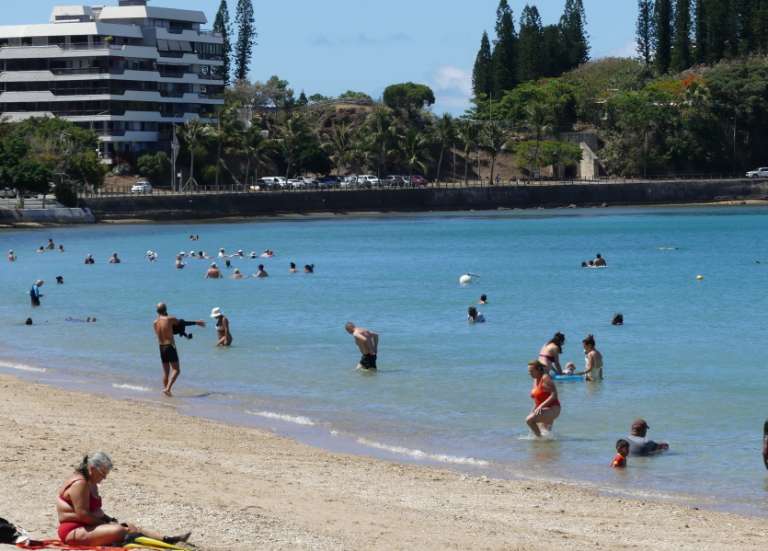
x,y
309,268
600,261
89,259
569,369
61,248
179,262
11,256
51,245
114,259
237,274
549,355
622,451
546,405
34,293
593,361
292,268
473,316
151,255
640,444
88,319
213,272
367,342
618,319
483,299
261,272
59,280
28,321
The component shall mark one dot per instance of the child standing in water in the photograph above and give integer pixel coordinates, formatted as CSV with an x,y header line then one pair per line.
x,y
622,451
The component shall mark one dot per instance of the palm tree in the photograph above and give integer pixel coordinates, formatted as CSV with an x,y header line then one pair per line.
x,y
294,137
383,135
339,145
493,138
361,151
445,132
468,134
414,146
539,121
193,133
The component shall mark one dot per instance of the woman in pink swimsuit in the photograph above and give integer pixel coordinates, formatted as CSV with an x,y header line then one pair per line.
x,y
81,519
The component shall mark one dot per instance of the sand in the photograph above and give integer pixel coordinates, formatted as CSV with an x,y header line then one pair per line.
x,y
241,488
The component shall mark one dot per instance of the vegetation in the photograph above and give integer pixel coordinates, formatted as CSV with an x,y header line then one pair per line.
x,y
246,38
223,26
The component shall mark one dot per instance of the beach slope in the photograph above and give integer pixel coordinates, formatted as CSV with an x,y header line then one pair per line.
x,y
240,488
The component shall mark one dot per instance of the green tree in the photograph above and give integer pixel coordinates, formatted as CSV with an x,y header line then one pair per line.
x,y
414,146
382,134
482,73
339,144
533,156
246,38
760,27
302,99
469,134
701,53
573,25
529,45
193,133
299,147
645,30
493,139
663,35
445,134
223,26
681,50
154,166
408,97
554,59
504,55
357,96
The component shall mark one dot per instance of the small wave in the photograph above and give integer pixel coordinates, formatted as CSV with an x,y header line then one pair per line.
x,y
418,454
22,367
295,419
132,387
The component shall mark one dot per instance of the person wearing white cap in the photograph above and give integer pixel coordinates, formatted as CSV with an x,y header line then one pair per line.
x,y
213,272
222,327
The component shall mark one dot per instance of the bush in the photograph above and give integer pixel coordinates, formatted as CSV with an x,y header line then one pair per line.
x,y
66,195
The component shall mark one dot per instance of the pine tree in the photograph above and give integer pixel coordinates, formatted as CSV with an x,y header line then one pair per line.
x,y
645,30
303,100
246,38
223,26
701,54
529,51
504,54
663,35
573,25
681,49
554,56
482,74
760,26
722,38
745,14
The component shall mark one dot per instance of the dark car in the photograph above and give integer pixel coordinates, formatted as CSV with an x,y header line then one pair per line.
x,y
329,182
418,181
393,180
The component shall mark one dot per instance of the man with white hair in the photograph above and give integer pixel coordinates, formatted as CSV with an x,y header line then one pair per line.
x,y
368,343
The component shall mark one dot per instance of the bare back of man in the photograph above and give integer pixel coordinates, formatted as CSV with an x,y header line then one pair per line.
x,y
368,343
164,325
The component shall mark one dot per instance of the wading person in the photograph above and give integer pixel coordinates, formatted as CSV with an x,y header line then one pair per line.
x,y
34,292
222,328
546,406
368,343
82,522
549,355
593,361
164,329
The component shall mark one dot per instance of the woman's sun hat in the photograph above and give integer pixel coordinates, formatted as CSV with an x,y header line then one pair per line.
x,y
216,312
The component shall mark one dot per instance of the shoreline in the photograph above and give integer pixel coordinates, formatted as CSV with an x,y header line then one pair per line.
x,y
244,488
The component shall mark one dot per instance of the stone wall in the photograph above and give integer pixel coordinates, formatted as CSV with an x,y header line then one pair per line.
x,y
52,216
207,206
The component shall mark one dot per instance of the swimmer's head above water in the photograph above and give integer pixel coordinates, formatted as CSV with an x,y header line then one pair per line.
x,y
350,327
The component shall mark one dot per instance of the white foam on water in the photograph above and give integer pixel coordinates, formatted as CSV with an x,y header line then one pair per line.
x,y
131,387
22,367
418,454
295,419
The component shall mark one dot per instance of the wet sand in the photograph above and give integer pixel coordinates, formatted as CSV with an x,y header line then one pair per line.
x,y
241,488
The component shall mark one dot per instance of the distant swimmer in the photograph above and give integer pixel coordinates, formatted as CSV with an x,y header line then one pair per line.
x,y
622,451
165,326
253,255
239,253
227,263
59,280
261,272
618,319
368,343
549,355
40,249
151,255
51,245
237,274
89,319
309,268
89,259
292,268
600,261
268,253
593,361
222,253
483,299
546,406
114,259
11,256
61,248
466,279
222,328
34,293
473,316
213,272
639,444
179,262
28,321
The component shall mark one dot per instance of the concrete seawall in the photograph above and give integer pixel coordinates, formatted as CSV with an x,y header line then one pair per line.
x,y
207,206
52,216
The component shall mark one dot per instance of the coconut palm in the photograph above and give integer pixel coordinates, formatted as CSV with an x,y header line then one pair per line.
x,y
383,133
193,133
445,134
340,146
468,133
413,145
493,139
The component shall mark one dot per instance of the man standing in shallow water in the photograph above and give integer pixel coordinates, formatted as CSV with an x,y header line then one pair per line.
x,y
164,325
368,343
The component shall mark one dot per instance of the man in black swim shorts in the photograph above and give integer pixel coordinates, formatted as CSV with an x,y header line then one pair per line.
x,y
368,343
164,329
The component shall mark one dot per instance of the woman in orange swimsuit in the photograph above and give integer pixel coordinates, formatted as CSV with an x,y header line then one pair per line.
x,y
546,406
81,519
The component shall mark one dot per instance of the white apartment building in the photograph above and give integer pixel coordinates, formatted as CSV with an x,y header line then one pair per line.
x,y
129,72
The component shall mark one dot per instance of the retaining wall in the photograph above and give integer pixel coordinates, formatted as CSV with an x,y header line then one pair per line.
x,y
206,206
52,216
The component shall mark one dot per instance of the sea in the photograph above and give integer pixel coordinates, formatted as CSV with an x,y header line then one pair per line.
x,y
690,358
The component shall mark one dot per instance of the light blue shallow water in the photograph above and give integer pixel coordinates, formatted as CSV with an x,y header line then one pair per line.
x,y
690,358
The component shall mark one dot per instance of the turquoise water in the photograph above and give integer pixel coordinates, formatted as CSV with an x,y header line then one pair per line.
x,y
689,359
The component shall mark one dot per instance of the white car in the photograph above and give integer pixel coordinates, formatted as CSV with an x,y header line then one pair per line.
x,y
272,182
142,186
761,172
367,180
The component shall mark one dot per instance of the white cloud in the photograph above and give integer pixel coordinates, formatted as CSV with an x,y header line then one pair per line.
x,y
453,89
627,50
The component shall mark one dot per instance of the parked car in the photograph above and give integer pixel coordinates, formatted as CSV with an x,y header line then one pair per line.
x,y
348,181
761,172
394,180
7,193
296,183
272,182
142,186
329,182
418,181
367,180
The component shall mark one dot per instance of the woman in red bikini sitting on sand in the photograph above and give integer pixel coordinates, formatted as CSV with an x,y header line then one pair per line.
x,y
81,519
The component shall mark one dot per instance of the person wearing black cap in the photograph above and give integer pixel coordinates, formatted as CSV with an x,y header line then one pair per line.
x,y
639,444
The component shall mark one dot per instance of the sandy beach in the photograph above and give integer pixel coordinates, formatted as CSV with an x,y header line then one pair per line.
x,y
240,488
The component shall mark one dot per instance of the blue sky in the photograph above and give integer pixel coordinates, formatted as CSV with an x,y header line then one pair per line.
x,y
332,46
